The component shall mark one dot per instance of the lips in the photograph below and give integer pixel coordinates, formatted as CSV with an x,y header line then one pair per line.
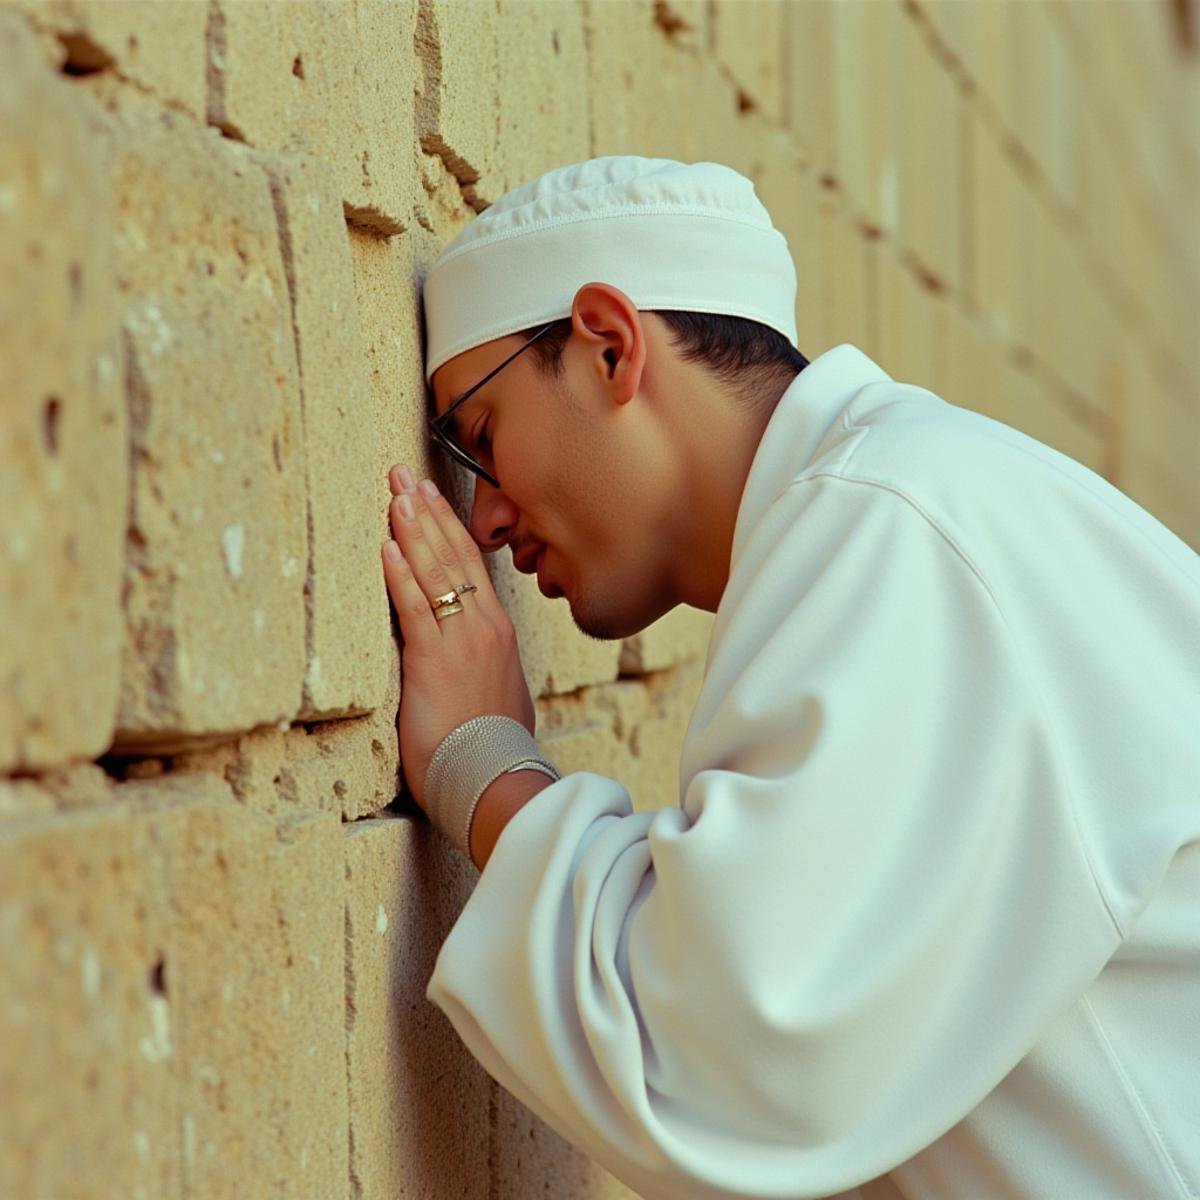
x,y
543,582
548,589
527,560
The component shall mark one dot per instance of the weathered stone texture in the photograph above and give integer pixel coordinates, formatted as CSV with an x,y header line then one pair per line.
x,y
157,47
682,634
174,965
217,545
349,767
532,1160
344,593
81,785
254,960
749,39
332,78
63,469
87,1072
419,1103
630,730
540,58
456,98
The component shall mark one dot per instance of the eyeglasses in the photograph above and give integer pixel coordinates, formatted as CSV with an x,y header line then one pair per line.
x,y
439,426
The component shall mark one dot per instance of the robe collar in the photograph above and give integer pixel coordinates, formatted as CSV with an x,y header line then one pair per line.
x,y
804,415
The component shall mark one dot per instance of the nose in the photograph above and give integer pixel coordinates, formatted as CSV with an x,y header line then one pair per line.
x,y
493,517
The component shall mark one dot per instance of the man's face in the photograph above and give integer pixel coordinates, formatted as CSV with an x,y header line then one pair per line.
x,y
571,469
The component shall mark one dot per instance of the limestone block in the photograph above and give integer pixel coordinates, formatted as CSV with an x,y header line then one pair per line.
x,y
631,731
993,66
810,84
1058,148
90,1044
956,26
345,596
928,155
748,38
645,90
418,1102
903,339
683,633
531,1159
348,767
456,95
844,291
1041,410
970,368
1064,305
160,47
542,111
387,288
63,472
82,785
251,991
997,243
789,189
217,547
278,76
390,198
869,105
1027,104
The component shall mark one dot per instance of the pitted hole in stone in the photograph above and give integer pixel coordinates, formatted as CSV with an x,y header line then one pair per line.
x,y
51,411
298,66
84,56
277,451
158,978
554,39
132,43
75,274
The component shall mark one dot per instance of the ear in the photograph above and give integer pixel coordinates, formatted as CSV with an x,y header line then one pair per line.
x,y
608,323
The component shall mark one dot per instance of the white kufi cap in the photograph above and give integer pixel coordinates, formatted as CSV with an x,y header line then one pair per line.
x,y
670,235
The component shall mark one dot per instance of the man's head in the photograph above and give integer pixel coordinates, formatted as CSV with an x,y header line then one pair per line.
x,y
621,438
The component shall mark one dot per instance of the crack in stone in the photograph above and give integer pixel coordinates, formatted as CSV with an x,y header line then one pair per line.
x,y
216,56
427,111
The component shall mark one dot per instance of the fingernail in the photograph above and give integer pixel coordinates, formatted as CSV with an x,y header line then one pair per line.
x,y
392,551
406,508
429,488
406,480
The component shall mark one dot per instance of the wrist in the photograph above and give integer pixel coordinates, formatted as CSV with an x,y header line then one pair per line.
x,y
501,800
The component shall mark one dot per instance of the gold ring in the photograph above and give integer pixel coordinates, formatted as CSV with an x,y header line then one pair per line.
x,y
446,610
463,588
448,598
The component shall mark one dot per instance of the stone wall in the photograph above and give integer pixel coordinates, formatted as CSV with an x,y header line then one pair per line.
x,y
216,918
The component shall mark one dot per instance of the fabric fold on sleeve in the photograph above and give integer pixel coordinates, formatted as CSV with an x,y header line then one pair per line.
x,y
870,902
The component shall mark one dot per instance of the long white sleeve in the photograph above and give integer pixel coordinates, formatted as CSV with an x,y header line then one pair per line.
x,y
872,900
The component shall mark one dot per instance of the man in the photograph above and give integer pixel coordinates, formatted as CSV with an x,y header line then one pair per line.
x,y
928,906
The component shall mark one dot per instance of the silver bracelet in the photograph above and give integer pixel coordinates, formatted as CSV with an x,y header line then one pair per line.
x,y
467,760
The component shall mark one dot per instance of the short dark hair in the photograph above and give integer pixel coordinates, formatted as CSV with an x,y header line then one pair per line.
x,y
756,361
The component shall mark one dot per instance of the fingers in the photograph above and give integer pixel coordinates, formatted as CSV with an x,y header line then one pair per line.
x,y
418,625
439,551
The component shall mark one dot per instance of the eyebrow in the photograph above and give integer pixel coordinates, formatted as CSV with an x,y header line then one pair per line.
x,y
456,417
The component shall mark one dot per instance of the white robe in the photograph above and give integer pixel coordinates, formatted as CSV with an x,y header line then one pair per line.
x,y
929,906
